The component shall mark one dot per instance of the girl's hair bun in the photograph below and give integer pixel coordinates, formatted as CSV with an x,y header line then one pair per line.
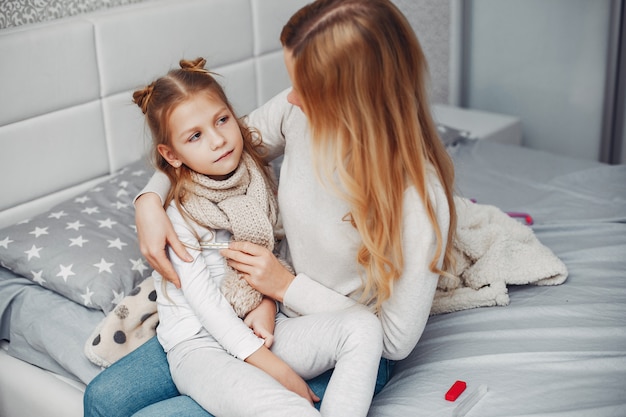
x,y
193,65
142,97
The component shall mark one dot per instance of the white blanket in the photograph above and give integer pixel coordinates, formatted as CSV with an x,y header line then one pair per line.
x,y
492,250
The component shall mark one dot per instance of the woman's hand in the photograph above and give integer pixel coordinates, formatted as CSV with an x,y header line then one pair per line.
x,y
262,320
260,268
265,360
155,232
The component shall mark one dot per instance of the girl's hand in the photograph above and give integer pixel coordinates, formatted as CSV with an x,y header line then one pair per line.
x,y
260,268
262,320
265,360
155,232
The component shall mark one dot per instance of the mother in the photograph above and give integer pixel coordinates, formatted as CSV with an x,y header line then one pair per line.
x,y
365,194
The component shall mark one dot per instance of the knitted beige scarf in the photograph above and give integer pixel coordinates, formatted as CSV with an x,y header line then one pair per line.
x,y
242,204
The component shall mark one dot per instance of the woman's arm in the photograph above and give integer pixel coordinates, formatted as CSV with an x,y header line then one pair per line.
x,y
266,274
155,233
269,120
403,317
405,314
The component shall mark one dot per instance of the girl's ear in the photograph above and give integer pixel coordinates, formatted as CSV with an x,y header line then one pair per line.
x,y
169,155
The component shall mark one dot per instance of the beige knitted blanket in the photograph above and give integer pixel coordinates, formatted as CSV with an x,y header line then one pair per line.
x,y
492,251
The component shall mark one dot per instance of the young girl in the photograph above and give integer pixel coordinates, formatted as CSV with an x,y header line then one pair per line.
x,y
221,190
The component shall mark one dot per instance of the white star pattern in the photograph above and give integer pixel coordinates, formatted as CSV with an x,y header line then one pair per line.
x,y
138,265
38,277
124,184
79,241
121,192
66,271
117,297
57,215
75,225
108,223
39,231
117,243
138,173
5,242
86,296
82,199
90,210
104,266
33,252
120,205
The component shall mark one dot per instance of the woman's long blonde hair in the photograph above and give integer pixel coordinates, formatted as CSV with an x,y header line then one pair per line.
x,y
361,76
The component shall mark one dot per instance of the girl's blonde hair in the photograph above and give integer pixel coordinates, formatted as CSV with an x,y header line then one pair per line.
x,y
159,99
361,76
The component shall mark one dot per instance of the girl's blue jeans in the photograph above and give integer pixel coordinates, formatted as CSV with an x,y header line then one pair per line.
x,y
140,385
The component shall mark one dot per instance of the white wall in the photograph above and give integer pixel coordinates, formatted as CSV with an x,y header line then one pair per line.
x,y
544,61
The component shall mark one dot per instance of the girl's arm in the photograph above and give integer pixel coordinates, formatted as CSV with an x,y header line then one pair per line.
x,y
202,293
265,360
262,320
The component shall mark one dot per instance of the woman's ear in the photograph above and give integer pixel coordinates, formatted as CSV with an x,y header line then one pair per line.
x,y
169,155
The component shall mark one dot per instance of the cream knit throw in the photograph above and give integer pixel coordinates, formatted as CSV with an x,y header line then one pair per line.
x,y
492,251
242,204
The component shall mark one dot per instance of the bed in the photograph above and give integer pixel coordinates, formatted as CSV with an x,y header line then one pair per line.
x,y
72,159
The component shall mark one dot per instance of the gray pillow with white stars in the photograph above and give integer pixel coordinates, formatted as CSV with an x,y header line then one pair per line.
x,y
84,248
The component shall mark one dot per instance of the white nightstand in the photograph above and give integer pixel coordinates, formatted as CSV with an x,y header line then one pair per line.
x,y
481,124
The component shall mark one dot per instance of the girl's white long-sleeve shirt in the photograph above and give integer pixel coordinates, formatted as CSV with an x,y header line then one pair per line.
x,y
323,246
199,302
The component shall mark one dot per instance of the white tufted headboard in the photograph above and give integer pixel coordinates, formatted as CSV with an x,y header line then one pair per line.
x,y
66,116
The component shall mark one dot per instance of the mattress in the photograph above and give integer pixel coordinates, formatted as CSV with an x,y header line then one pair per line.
x,y
552,351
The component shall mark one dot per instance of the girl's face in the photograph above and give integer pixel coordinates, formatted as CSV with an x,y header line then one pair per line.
x,y
205,137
